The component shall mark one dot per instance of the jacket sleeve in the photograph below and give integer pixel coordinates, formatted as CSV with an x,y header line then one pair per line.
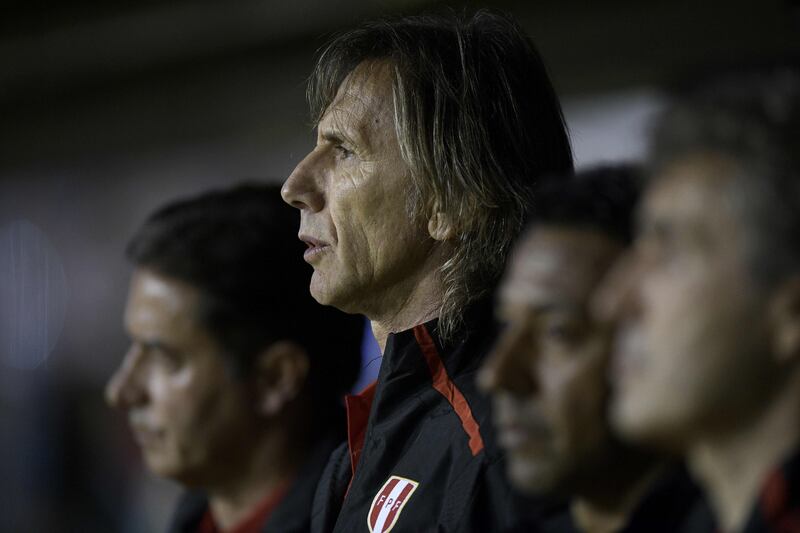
x,y
491,503
331,491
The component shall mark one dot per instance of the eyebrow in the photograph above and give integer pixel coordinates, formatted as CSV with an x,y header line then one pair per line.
x,y
340,130
334,137
149,344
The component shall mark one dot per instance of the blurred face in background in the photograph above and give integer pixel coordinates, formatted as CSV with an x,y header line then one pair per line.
x,y
547,373
692,322
352,191
192,421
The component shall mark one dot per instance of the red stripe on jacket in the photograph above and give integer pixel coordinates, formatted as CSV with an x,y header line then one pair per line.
x,y
448,389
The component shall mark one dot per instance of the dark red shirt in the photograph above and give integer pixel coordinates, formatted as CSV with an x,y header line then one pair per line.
x,y
255,520
778,507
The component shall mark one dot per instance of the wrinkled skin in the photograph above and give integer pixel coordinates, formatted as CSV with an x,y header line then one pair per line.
x,y
368,255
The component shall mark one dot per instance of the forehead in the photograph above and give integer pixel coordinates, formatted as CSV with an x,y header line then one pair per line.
x,y
157,302
364,101
695,190
557,265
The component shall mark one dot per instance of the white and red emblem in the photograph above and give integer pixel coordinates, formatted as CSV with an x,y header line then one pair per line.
x,y
389,502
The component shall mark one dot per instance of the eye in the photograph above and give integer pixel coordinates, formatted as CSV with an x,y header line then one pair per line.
x,y
657,242
559,331
169,359
563,332
342,153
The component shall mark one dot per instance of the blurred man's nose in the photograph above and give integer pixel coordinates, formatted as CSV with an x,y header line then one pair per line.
x,y
303,188
124,389
511,363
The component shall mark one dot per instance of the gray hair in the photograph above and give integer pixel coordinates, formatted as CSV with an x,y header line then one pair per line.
x,y
753,120
478,122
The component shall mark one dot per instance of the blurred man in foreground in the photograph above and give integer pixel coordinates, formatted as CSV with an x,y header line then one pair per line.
x,y
709,303
430,133
233,380
548,371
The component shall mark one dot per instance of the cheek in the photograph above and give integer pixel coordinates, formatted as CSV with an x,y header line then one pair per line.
x,y
586,409
356,209
696,320
674,319
692,315
184,404
374,231
576,400
357,192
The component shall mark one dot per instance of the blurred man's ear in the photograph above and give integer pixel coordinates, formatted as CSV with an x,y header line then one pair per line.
x,y
784,315
281,371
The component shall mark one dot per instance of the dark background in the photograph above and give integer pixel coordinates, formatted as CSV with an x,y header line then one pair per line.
x,y
108,109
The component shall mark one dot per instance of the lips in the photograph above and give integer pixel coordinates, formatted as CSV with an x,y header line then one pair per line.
x,y
520,425
145,436
315,247
517,436
512,436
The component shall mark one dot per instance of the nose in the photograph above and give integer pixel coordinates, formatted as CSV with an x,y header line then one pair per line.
x,y
511,365
124,389
303,188
617,295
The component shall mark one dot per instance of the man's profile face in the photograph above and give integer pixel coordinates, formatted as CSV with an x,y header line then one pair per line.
x,y
547,372
352,192
691,339
190,419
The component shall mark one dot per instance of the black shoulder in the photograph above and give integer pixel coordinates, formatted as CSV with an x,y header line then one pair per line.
x,y
331,490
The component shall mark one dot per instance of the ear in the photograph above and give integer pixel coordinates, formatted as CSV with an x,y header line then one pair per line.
x,y
784,314
440,227
281,372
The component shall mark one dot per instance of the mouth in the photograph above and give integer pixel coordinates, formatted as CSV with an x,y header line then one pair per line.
x,y
514,436
314,247
145,436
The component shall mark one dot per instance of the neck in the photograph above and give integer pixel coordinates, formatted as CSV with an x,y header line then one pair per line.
x,y
607,506
732,466
233,500
381,329
418,305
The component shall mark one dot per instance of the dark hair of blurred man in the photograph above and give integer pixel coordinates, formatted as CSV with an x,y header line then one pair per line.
x,y
709,304
547,372
431,131
233,380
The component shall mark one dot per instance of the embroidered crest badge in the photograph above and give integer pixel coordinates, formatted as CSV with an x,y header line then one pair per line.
x,y
389,502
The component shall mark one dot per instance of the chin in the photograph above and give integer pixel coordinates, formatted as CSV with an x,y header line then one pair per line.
x,y
626,417
531,477
643,423
165,467
319,296
348,298
161,466
316,286
321,291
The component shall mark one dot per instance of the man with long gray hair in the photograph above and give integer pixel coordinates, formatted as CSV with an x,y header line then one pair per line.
x,y
431,132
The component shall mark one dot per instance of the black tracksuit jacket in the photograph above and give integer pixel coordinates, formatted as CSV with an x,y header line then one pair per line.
x,y
429,461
